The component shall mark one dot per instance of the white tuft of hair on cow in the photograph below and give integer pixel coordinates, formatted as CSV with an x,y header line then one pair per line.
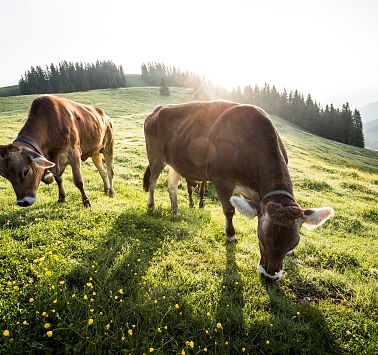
x,y
263,272
243,207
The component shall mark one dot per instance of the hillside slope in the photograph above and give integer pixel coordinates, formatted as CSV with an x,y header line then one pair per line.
x,y
114,277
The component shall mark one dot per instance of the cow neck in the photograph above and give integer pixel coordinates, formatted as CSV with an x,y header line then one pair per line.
x,y
274,177
30,141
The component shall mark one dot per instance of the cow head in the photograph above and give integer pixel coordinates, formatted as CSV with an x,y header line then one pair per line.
x,y
278,229
24,168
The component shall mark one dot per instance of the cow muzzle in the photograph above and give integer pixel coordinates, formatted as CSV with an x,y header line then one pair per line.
x,y
269,277
26,201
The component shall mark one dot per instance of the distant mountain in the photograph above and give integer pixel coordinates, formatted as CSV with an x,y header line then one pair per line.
x,y
369,112
371,134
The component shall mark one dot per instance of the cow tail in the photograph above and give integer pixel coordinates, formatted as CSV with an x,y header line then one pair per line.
x,y
146,179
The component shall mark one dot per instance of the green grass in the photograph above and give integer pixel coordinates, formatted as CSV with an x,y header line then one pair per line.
x,y
170,282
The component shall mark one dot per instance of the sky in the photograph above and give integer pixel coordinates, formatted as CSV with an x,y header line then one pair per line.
x,y
328,48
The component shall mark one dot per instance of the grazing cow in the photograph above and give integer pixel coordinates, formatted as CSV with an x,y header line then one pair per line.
x,y
57,133
238,149
173,180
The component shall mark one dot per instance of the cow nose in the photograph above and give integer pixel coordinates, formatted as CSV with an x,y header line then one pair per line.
x,y
26,201
268,277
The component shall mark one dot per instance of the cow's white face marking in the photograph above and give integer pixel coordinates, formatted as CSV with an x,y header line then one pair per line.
x,y
263,272
29,200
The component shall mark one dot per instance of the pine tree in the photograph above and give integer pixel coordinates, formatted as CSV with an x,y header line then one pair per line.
x,y
164,89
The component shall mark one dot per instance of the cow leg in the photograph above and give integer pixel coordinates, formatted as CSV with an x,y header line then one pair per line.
x,y
78,179
201,193
190,193
152,173
173,180
62,192
224,192
108,155
97,161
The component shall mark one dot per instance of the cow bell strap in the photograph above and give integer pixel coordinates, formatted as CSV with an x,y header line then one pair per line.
x,y
30,141
278,192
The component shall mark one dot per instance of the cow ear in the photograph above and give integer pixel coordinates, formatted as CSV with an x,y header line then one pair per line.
x,y
248,208
38,160
315,217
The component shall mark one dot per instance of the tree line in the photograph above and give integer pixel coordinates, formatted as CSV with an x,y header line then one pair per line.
x,y
339,124
69,77
156,74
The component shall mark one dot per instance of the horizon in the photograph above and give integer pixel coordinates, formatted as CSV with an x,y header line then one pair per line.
x,y
224,42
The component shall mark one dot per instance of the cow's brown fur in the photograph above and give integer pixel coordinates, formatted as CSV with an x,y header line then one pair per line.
x,y
237,148
66,132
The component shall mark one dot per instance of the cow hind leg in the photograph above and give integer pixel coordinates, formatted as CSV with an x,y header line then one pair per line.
x,y
224,192
173,180
97,161
201,193
190,194
78,179
108,155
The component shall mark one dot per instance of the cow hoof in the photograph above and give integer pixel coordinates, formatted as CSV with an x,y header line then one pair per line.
x,y
175,211
87,203
110,193
200,205
232,239
61,199
191,205
290,253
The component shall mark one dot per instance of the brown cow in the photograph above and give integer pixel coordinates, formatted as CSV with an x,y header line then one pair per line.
x,y
238,149
173,180
57,133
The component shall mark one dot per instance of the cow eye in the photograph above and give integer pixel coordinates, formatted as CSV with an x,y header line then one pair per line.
x,y
26,172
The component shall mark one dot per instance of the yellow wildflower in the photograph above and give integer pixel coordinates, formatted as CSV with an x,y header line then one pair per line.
x,y
243,350
177,306
73,295
121,291
25,322
152,350
49,333
191,344
94,293
182,352
219,325
107,326
89,284
55,301
6,333
48,273
61,282
130,332
267,342
47,326
205,350
45,314
85,297
90,321
123,338
31,300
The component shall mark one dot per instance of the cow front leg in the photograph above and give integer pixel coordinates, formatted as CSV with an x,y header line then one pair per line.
x,y
79,181
149,182
224,192
62,192
201,193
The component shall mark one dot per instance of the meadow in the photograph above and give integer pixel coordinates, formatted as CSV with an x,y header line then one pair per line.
x,y
115,279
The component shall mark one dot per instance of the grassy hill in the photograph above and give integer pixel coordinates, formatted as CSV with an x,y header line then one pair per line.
x,y
115,278
9,91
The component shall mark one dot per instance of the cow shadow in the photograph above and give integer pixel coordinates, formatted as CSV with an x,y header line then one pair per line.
x,y
231,301
301,314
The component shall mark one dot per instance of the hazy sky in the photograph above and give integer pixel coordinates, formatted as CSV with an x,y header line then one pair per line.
x,y
326,47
